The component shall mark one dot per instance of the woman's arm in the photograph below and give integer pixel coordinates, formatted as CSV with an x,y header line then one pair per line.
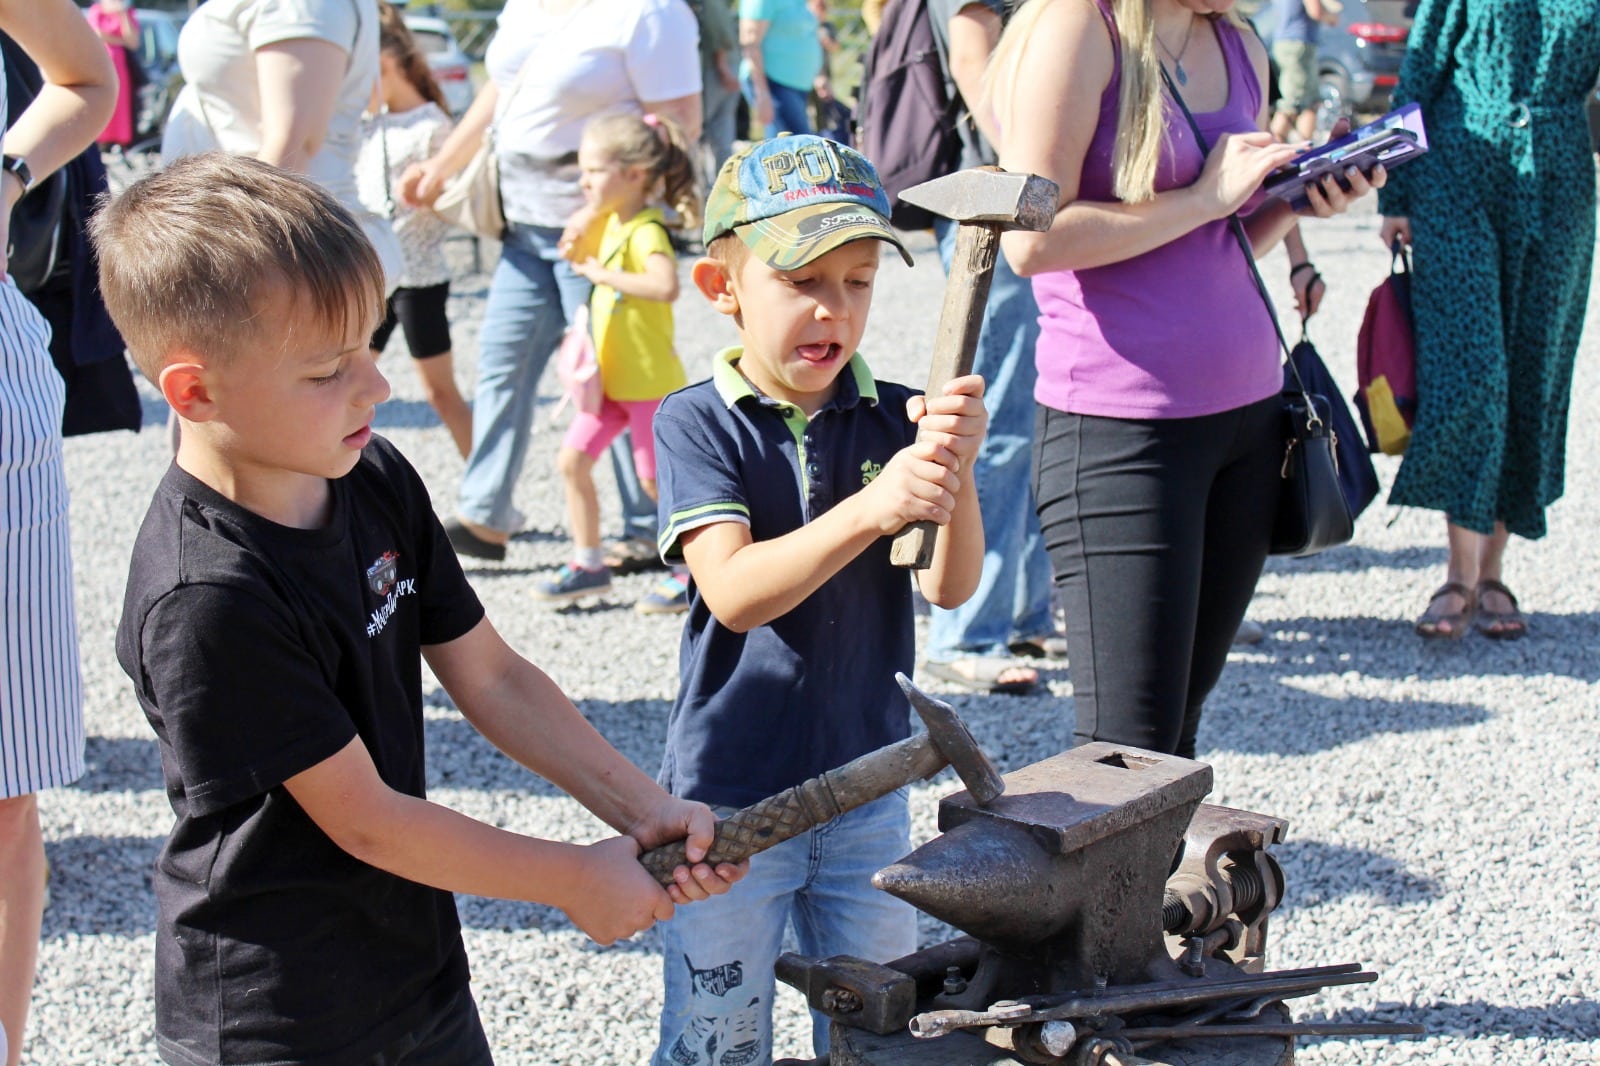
x,y
298,81
684,110
1426,71
78,95
129,27
1049,116
973,32
422,183
751,34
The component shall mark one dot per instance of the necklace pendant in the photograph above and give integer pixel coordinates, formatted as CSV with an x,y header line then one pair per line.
x,y
1180,74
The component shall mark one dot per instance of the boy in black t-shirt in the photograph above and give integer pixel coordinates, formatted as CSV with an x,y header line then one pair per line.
x,y
286,583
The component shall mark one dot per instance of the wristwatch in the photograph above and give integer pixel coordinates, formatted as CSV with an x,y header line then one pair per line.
x,y
18,167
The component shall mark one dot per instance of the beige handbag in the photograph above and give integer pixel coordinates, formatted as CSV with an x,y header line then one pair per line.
x,y
471,200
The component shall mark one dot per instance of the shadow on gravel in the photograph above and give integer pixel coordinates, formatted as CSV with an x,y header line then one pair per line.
x,y
1557,644
1352,557
1570,1020
121,764
1293,722
1322,873
460,758
100,885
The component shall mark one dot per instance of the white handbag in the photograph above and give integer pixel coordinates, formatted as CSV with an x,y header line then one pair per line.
x,y
471,199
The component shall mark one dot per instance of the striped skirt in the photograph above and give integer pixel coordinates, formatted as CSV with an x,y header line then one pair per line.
x,y
41,694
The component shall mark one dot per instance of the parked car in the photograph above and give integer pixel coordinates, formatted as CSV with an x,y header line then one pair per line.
x,y
1358,61
452,68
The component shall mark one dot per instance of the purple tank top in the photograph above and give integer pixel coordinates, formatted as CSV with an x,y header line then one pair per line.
x,y
1179,331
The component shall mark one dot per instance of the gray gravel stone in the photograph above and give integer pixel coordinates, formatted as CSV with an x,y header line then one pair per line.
x,y
1444,801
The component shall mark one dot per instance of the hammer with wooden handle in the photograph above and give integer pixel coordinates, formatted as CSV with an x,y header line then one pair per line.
x,y
830,794
984,201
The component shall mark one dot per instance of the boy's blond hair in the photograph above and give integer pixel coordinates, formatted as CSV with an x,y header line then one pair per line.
x,y
191,257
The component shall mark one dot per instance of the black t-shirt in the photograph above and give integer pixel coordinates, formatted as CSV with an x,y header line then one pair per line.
x,y
257,652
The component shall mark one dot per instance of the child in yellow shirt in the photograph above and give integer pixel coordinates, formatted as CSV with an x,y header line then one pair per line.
x,y
627,161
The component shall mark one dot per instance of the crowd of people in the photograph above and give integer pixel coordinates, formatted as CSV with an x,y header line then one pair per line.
x,y
1118,445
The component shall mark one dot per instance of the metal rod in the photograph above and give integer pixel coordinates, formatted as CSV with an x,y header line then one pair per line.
x,y
1159,1033
1139,997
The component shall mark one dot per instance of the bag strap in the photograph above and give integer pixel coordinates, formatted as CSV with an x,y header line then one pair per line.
x,y
1399,256
1249,255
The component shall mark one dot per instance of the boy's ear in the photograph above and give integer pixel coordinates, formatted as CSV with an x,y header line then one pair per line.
x,y
184,384
710,276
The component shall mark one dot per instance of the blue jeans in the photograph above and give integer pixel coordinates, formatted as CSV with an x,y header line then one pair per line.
x,y
638,509
532,296
789,113
718,954
719,123
1013,595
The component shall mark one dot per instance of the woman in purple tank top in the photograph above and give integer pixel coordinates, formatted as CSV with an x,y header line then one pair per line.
x,y
1158,442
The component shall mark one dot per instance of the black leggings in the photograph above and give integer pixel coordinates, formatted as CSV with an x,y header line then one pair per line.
x,y
1157,530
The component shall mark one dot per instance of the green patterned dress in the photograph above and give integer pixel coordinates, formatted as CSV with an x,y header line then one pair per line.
x,y
1502,214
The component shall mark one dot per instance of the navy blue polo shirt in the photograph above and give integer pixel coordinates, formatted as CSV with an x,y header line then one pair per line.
x,y
760,711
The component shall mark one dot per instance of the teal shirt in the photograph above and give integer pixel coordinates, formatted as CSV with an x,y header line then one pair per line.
x,y
790,51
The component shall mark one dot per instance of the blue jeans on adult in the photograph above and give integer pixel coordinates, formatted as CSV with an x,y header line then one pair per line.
x,y
638,509
789,113
1013,596
718,954
719,122
532,297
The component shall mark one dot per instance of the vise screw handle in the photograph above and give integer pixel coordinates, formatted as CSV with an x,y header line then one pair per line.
x,y
806,805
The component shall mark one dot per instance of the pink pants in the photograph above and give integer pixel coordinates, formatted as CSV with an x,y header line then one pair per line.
x,y
593,434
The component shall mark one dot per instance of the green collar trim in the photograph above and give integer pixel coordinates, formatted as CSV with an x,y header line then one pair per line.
x,y
732,386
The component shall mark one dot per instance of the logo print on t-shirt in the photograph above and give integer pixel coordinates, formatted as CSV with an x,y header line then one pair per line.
x,y
381,574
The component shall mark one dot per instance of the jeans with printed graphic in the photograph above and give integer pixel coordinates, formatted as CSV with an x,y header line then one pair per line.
x,y
718,954
532,297
1013,596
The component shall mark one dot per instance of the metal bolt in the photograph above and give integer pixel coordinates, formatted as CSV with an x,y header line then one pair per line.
x,y
840,1001
1058,1037
954,982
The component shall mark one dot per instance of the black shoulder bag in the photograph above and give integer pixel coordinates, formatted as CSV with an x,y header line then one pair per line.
x,y
1312,513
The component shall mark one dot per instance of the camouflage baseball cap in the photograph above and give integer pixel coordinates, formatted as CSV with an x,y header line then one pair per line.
x,y
796,197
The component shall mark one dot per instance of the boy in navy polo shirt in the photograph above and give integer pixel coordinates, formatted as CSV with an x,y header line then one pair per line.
x,y
780,478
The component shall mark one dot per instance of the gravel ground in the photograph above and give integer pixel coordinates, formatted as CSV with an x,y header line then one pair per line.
x,y
1444,802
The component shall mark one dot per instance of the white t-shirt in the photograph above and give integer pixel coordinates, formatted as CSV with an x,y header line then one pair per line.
x,y
402,139
220,105
606,55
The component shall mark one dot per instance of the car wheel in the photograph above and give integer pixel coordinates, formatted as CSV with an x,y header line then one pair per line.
x,y
1333,99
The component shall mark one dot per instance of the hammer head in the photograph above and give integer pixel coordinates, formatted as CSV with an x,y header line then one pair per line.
x,y
989,196
950,735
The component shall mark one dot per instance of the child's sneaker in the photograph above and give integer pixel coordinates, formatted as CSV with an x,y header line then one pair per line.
x,y
670,596
573,582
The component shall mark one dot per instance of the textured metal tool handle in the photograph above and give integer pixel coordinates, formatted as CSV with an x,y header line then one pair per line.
x,y
810,803
754,829
966,295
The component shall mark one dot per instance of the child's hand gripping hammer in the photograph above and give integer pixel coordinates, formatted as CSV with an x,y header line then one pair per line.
x,y
984,201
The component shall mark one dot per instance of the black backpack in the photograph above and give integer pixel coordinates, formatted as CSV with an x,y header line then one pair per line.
x,y
905,120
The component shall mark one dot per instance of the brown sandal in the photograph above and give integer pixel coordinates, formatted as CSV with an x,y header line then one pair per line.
x,y
1431,626
1499,625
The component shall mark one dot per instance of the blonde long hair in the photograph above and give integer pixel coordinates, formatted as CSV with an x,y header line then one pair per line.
x,y
1141,110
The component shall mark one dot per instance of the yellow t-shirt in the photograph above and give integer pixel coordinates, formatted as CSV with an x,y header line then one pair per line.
x,y
633,337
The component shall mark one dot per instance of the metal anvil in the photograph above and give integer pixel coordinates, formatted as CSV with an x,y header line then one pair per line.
x,y
1064,875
